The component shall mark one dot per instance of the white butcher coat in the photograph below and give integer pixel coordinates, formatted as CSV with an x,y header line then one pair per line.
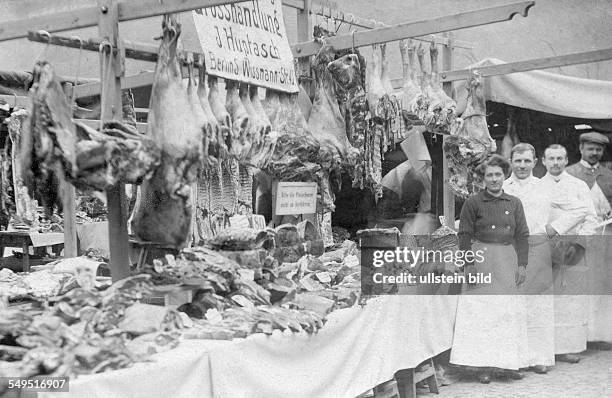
x,y
540,310
572,213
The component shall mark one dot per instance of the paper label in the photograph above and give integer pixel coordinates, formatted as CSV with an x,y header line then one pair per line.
x,y
296,198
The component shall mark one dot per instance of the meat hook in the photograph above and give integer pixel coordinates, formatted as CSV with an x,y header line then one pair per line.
x,y
78,69
105,43
48,36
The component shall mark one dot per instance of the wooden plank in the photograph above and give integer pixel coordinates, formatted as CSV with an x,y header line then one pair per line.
x,y
110,72
69,205
418,28
88,16
448,196
139,80
95,124
15,100
532,64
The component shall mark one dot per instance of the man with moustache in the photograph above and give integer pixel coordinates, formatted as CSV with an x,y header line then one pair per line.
x,y
538,283
572,213
599,180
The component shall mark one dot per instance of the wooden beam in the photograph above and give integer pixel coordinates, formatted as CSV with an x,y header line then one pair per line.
x,y
523,66
418,28
532,64
448,196
69,203
133,50
88,16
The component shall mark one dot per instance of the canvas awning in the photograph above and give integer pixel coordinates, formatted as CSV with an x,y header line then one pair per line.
x,y
545,92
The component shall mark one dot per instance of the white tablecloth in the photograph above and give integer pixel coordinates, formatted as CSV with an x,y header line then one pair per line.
x,y
357,349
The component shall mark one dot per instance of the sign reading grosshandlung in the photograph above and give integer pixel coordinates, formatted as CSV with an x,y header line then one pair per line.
x,y
247,42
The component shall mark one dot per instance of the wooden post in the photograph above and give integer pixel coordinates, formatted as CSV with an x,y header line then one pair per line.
x,y
448,196
111,69
69,204
304,33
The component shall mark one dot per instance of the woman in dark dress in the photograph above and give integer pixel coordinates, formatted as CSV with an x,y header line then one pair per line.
x,y
491,323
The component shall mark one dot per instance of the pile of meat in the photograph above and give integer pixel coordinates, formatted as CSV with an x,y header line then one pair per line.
x,y
86,331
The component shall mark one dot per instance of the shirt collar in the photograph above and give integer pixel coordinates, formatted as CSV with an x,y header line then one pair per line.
x,y
589,166
487,197
557,178
521,182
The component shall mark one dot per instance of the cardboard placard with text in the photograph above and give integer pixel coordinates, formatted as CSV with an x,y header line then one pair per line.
x,y
245,42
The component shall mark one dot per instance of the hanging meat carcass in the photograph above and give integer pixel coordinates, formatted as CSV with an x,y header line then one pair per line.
x,y
388,107
47,149
442,106
474,120
511,138
266,147
469,143
411,90
217,147
164,207
375,86
326,123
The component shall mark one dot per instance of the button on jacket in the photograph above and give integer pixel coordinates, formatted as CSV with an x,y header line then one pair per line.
x,y
492,219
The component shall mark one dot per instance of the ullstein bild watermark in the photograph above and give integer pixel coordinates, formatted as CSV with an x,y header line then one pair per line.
x,y
565,265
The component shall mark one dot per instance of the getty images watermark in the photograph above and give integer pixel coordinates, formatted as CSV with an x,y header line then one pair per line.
x,y
401,261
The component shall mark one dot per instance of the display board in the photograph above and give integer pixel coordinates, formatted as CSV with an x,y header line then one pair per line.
x,y
296,198
245,41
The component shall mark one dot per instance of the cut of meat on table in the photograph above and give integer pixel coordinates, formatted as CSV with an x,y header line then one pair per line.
x,y
47,147
474,120
164,207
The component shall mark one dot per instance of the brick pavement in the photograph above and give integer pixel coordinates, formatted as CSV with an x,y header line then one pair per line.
x,y
590,378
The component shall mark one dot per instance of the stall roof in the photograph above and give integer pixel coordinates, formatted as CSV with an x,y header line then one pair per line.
x,y
545,92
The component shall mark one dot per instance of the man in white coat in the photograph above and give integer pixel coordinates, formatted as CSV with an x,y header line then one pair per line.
x,y
539,280
599,180
572,213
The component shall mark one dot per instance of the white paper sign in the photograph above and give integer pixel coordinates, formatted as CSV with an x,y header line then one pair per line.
x,y
296,198
246,42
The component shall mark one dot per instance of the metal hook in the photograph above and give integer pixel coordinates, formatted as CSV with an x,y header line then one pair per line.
x,y
78,68
48,36
353,37
105,43
15,100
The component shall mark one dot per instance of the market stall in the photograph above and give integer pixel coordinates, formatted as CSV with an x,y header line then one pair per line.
x,y
244,281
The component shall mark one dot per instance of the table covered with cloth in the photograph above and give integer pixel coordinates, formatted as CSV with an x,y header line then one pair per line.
x,y
357,349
